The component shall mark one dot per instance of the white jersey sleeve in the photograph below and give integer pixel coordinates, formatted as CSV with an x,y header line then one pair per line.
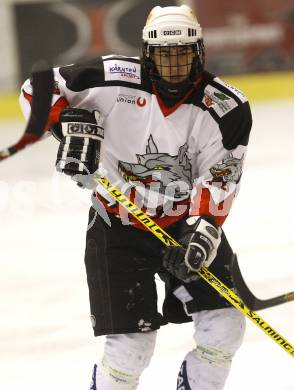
x,y
221,147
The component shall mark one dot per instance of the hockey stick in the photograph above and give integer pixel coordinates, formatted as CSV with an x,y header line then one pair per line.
x,y
43,84
211,279
248,297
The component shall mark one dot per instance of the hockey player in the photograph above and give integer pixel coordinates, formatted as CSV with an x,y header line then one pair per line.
x,y
172,137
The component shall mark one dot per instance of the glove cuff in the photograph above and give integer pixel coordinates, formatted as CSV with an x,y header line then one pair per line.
x,y
83,130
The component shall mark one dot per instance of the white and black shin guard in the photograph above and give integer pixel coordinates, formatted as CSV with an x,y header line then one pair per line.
x,y
218,335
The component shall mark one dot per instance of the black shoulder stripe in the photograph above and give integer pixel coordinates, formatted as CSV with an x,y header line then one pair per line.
x,y
82,76
235,126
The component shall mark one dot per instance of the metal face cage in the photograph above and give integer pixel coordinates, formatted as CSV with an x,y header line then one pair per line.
x,y
174,63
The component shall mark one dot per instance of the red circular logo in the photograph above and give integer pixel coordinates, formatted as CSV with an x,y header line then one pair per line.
x,y
141,102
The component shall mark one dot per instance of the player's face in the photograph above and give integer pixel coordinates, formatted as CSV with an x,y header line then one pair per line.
x,y
173,63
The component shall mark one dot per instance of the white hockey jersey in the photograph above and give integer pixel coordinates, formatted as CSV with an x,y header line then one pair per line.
x,y
169,160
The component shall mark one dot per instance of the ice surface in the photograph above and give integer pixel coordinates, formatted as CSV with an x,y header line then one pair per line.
x,y
46,339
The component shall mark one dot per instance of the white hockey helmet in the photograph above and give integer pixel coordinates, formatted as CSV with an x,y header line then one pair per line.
x,y
167,27
172,26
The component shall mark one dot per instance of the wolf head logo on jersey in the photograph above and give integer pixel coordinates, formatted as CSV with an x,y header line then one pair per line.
x,y
156,167
229,170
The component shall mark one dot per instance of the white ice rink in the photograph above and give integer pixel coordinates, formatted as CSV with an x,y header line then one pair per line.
x,y
46,338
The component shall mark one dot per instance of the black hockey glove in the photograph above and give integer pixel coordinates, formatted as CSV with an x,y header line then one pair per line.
x,y
200,238
80,134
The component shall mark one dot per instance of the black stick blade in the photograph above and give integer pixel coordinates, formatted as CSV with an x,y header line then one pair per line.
x,y
249,299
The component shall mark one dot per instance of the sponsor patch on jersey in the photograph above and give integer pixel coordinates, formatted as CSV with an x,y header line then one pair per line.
x,y
119,70
219,101
138,101
235,90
